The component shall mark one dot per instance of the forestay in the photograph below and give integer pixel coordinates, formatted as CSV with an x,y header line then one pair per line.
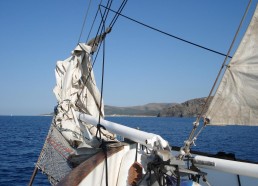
x,y
236,99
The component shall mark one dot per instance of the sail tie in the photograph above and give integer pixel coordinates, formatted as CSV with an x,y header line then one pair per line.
x,y
99,132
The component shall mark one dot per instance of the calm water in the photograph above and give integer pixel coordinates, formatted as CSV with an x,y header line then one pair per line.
x,y
22,138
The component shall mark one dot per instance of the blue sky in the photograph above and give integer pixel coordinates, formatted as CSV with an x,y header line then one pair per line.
x,y
142,66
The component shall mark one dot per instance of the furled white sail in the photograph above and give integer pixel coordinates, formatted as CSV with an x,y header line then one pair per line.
x,y
76,90
236,99
76,82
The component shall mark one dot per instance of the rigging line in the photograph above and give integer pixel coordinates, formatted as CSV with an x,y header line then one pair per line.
x,y
103,145
89,74
104,20
92,25
84,21
98,49
109,3
102,32
165,33
93,22
103,25
103,69
222,67
117,15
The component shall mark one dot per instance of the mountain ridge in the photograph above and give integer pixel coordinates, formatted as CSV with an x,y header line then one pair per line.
x,y
189,108
150,109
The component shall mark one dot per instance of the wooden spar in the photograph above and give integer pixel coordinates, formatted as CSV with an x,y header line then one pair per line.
x,y
33,175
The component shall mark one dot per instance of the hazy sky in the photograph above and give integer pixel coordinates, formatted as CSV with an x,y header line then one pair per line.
x,y
142,66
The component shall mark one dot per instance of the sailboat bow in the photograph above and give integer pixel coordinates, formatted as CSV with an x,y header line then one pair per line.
x,y
83,148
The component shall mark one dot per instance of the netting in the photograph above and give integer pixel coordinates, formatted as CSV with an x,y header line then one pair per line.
x,y
53,158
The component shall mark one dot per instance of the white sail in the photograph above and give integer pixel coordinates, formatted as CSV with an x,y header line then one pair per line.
x,y
76,82
236,99
76,90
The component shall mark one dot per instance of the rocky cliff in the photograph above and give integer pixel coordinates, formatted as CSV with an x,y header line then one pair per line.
x,y
190,108
151,109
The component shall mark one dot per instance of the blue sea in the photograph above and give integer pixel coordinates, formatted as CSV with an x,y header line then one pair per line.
x,y
22,138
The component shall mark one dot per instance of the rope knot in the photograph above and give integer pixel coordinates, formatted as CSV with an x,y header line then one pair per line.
x,y
99,126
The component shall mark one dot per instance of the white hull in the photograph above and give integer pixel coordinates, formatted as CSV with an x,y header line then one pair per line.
x,y
120,162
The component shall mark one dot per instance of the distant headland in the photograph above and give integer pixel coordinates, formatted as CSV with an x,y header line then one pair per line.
x,y
190,108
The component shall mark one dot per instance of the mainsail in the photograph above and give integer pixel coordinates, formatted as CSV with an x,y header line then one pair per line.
x,y
236,99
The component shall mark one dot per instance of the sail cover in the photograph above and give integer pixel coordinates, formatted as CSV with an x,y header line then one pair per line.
x,y
236,99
